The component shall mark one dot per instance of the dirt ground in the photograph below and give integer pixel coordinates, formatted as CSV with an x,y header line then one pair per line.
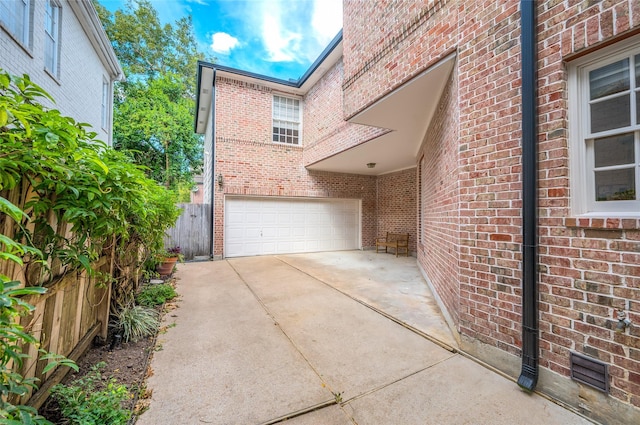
x,y
127,362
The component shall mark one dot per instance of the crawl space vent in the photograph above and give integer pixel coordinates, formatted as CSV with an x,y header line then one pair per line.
x,y
591,372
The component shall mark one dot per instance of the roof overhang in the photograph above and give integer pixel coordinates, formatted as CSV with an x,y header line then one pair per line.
x,y
406,112
207,72
90,22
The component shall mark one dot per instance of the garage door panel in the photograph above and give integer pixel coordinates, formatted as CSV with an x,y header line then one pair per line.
x,y
285,232
260,226
251,217
269,217
269,232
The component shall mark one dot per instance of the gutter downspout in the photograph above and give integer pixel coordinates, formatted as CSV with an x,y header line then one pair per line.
x,y
213,166
529,374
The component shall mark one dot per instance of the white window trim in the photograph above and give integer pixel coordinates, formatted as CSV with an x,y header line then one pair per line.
x,y
105,105
54,69
300,125
582,181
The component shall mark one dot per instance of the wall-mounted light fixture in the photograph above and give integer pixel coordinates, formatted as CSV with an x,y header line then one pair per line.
x,y
220,181
371,165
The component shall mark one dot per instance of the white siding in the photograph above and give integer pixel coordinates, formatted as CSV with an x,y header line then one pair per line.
x,y
207,177
78,90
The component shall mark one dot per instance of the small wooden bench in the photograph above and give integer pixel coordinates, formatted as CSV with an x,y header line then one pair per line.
x,y
394,240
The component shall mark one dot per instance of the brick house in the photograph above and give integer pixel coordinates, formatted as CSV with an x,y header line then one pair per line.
x,y
62,46
432,118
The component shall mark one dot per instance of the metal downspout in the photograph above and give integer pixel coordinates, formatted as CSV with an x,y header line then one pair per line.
x,y
529,374
213,166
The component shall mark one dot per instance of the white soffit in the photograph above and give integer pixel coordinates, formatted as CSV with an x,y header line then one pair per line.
x,y
407,113
204,102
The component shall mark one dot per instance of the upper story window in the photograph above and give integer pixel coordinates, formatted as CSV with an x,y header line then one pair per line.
x,y
52,37
15,16
605,131
286,120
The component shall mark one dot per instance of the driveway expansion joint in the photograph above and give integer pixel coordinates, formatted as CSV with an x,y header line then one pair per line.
x,y
377,310
301,412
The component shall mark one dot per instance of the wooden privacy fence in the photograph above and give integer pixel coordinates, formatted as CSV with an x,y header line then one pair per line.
x,y
73,311
66,319
192,231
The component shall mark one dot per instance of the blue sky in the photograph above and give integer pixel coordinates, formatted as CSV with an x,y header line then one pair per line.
x,y
277,38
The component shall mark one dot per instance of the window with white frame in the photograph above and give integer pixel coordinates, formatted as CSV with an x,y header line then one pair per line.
x,y
15,17
605,131
105,105
52,37
286,120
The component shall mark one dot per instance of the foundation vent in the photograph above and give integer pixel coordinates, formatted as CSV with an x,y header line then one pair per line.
x,y
591,372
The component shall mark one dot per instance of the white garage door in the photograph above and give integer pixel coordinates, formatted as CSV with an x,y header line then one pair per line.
x,y
261,226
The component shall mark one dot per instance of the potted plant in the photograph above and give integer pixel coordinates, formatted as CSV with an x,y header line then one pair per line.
x,y
168,260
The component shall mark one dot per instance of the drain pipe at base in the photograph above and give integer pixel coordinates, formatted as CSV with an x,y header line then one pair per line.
x,y
529,374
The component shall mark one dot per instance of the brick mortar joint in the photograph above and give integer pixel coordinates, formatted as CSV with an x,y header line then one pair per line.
x,y
393,43
257,143
329,135
374,134
602,223
244,84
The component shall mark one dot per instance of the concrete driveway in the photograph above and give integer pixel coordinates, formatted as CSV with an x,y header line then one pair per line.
x,y
338,338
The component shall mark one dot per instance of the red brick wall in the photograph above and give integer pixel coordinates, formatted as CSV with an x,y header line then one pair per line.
x,y
438,248
243,111
470,185
397,204
386,43
198,196
490,173
325,131
588,267
252,165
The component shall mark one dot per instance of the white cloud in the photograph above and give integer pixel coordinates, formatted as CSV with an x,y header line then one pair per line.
x,y
223,43
297,31
326,20
281,43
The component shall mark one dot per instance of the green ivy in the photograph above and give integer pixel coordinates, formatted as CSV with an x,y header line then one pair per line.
x,y
98,191
72,177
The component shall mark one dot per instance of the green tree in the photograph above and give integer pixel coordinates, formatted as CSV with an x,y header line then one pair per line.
x,y
154,108
154,123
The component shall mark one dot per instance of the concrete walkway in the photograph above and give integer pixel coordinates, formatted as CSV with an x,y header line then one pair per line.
x,y
259,340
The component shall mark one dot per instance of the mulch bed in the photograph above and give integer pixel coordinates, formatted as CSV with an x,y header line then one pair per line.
x,y
128,363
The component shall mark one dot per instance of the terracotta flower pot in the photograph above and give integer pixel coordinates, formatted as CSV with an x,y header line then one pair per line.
x,y
165,268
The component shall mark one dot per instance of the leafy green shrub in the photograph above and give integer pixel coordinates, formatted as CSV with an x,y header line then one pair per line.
x,y
79,180
152,295
83,403
135,321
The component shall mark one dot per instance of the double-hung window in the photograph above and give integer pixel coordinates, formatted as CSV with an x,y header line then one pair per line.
x,y
286,120
605,132
15,16
52,37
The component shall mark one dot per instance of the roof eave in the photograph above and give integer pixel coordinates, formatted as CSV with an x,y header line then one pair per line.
x,y
329,56
90,22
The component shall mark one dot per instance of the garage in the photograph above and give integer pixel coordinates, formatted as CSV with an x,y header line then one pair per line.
x,y
262,226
